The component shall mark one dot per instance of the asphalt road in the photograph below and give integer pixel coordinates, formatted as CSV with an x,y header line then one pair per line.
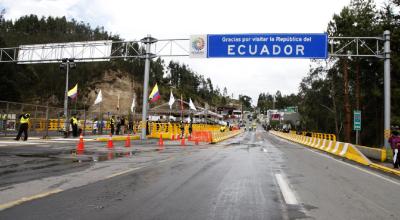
x,y
253,176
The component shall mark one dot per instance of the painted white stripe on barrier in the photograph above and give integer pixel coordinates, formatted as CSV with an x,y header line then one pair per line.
x,y
287,193
329,145
346,145
316,145
336,147
323,144
315,140
310,140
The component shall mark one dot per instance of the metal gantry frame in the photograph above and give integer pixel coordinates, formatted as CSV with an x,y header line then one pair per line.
x,y
149,48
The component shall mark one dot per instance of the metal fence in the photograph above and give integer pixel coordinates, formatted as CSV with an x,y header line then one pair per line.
x,y
49,121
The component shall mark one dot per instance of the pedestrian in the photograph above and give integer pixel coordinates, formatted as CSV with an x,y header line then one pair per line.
x,y
190,128
123,123
112,124
394,141
118,125
23,126
95,126
130,125
74,125
79,126
182,129
147,127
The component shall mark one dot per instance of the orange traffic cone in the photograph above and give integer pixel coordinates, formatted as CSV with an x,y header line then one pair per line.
x,y
110,144
173,137
190,137
161,142
183,141
196,141
81,145
128,141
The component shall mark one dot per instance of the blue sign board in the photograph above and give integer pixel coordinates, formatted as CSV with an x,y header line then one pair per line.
x,y
311,46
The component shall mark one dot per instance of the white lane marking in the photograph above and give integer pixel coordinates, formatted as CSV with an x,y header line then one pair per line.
x,y
347,164
19,142
123,172
356,167
162,161
287,193
26,199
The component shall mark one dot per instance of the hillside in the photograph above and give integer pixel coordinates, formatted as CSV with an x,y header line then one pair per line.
x,y
39,83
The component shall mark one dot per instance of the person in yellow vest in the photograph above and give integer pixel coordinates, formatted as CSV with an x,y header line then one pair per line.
x,y
112,124
23,126
74,124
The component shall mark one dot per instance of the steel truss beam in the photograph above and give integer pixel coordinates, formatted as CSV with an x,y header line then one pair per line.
x,y
338,47
356,47
119,50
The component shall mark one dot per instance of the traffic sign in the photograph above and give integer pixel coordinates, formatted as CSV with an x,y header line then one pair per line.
x,y
357,121
314,46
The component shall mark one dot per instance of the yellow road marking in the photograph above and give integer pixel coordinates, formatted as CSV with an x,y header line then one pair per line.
x,y
123,172
162,161
26,199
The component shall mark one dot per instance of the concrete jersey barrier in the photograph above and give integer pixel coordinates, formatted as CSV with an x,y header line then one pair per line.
x,y
337,148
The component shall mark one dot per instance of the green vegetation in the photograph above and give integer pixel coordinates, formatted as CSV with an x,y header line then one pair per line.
x,y
322,100
41,82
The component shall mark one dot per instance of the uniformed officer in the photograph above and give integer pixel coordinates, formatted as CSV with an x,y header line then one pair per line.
x,y
74,124
112,124
23,126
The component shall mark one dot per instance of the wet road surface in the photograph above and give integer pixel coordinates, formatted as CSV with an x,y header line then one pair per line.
x,y
253,176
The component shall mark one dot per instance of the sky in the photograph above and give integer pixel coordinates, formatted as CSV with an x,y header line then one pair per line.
x,y
166,19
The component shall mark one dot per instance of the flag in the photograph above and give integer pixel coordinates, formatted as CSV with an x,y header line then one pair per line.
x,y
99,98
154,95
191,105
171,100
73,93
133,104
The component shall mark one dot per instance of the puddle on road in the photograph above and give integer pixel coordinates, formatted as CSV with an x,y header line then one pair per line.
x,y
88,156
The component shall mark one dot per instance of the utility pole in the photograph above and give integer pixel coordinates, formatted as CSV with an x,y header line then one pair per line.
x,y
66,63
148,56
386,38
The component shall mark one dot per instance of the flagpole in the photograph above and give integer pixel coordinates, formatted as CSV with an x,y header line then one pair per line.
x,y
101,119
181,108
76,100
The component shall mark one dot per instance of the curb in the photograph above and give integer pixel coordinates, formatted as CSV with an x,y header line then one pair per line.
x,y
385,169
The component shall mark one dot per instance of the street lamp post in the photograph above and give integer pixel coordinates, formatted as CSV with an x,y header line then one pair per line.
x,y
66,64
